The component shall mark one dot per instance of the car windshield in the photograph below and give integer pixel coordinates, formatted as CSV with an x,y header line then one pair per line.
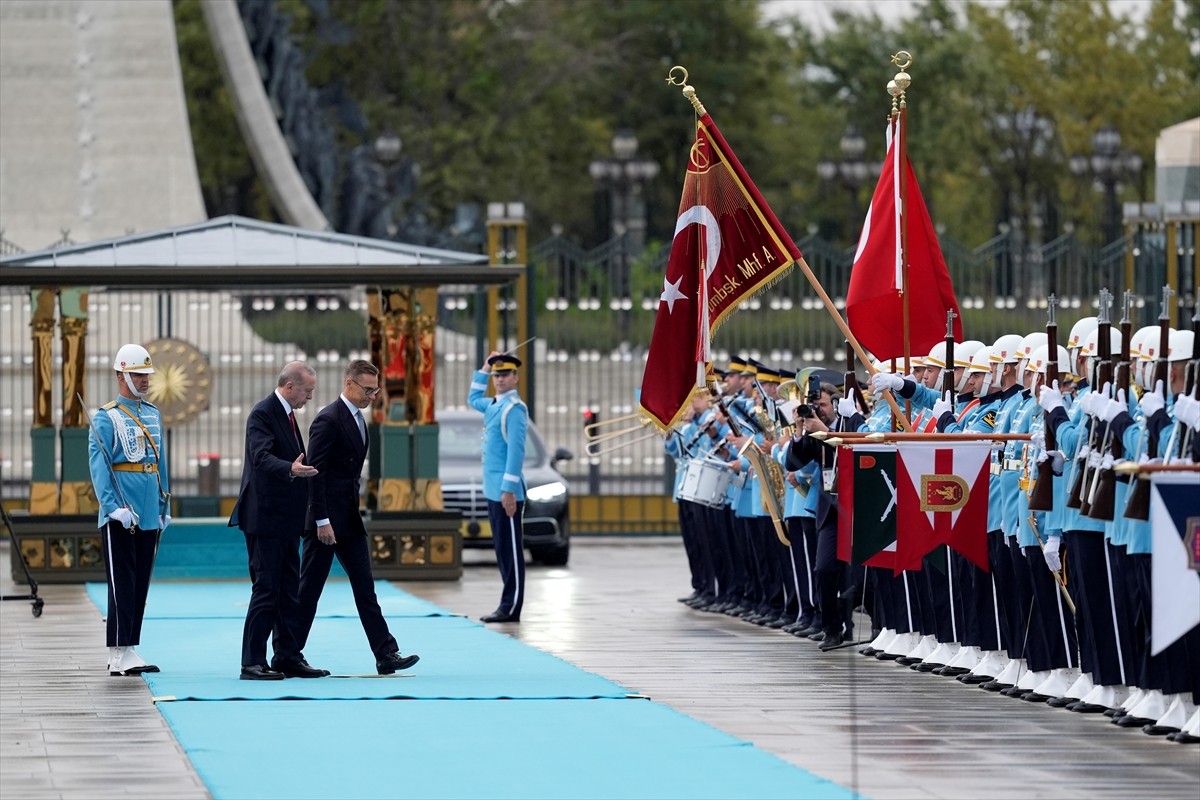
x,y
461,440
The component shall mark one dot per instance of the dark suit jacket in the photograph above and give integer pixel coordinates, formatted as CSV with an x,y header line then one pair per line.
x,y
270,503
337,450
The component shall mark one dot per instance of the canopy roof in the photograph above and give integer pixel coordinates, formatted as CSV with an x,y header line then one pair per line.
x,y
237,251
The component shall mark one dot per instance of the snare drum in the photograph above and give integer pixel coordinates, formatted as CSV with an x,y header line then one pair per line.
x,y
705,482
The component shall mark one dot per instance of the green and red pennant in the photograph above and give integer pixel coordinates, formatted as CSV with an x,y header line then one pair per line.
x,y
867,505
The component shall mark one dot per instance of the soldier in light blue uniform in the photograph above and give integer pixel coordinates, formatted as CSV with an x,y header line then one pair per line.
x,y
505,418
128,468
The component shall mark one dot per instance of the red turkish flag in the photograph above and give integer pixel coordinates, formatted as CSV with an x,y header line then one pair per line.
x,y
728,245
941,498
874,300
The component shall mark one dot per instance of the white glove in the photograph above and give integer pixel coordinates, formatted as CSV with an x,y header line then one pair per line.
x,y
1050,398
1090,403
885,380
123,516
942,406
1110,408
1187,411
1050,552
163,522
1038,440
846,407
1152,402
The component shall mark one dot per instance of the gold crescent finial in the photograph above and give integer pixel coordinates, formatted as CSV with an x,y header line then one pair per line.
x,y
689,92
677,80
902,56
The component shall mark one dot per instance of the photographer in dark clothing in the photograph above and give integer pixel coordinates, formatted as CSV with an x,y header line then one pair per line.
x,y
837,591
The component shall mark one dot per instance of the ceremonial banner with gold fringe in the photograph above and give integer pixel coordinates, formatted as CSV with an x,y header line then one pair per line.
x,y
941,498
728,246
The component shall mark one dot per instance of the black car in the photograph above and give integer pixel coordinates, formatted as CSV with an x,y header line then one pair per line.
x,y
460,467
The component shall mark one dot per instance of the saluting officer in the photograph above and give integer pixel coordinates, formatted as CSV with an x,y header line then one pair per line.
x,y
505,418
128,467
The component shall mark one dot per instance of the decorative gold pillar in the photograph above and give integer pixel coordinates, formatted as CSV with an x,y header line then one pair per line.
x,y
43,489
403,464
76,494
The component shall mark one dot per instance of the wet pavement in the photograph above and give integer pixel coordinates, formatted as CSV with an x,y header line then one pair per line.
x,y
68,730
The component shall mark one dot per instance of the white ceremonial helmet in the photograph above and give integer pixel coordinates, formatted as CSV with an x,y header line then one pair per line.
x,y
1090,345
1038,360
1080,330
1182,344
981,361
1139,353
1025,348
1032,342
963,353
133,358
1007,349
937,355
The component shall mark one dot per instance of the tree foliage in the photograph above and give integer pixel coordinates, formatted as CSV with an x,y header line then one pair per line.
x,y
502,100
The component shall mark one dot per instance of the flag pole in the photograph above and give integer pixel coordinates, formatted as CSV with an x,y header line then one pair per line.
x,y
896,88
845,329
704,340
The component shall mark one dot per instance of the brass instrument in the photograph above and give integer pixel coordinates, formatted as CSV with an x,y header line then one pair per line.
x,y
594,439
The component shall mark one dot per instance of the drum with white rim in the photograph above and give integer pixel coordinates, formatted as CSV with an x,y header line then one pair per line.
x,y
705,481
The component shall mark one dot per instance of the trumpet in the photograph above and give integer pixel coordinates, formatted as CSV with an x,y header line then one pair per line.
x,y
592,433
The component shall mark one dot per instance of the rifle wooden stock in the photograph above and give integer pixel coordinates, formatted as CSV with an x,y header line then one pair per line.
x,y
1041,496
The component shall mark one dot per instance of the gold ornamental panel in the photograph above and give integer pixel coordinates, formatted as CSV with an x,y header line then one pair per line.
x,y
181,386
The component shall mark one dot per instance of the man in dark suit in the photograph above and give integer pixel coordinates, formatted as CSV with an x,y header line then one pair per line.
x,y
270,512
337,449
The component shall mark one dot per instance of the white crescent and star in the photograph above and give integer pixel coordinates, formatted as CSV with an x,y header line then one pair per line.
x,y
671,293
702,216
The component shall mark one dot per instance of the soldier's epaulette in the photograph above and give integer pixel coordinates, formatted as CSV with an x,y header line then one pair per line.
x,y
148,403
110,405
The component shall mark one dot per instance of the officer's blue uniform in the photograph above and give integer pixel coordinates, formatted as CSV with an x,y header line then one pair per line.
x,y
138,480
505,419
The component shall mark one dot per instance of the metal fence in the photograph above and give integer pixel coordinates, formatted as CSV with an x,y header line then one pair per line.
x,y
592,311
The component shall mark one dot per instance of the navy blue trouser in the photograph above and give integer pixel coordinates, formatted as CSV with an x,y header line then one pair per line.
x,y
510,555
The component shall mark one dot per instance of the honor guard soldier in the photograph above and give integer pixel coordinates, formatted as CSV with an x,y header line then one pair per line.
x,y
505,418
128,468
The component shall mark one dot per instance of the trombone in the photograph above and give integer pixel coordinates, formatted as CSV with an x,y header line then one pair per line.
x,y
594,437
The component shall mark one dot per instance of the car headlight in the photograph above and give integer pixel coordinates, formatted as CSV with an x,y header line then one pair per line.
x,y
549,491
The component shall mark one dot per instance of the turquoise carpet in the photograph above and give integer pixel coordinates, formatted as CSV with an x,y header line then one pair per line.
x,y
481,715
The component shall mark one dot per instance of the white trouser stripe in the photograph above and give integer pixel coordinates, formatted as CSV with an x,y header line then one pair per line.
x,y
112,582
512,538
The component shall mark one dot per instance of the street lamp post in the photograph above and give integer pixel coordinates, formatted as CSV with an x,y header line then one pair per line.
x,y
1108,165
852,171
623,178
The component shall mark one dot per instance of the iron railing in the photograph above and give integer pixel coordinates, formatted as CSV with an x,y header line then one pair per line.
x,y
594,315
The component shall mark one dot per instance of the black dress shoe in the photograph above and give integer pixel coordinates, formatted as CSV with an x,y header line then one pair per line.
x,y
1183,737
298,668
500,616
1086,708
1061,702
260,672
1130,721
994,686
391,662
832,641
974,678
818,636
1154,729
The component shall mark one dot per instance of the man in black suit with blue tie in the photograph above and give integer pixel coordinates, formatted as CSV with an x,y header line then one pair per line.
x,y
270,512
337,450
